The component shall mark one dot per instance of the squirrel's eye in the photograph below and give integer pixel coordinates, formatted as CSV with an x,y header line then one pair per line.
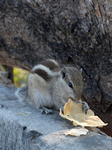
x,y
70,85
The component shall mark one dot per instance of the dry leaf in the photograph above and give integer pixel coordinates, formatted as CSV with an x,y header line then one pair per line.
x,y
74,112
76,132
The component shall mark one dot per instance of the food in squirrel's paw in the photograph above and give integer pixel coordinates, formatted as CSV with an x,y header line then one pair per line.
x,y
74,112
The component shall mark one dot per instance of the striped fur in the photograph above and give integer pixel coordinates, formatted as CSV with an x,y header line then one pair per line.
x,y
47,69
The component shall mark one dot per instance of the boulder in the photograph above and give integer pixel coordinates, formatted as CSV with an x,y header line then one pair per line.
x,y
25,128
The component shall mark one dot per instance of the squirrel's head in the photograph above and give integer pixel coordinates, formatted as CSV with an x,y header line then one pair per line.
x,y
73,79
70,84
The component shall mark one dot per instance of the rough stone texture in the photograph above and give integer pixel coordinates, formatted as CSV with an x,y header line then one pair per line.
x,y
4,78
70,31
25,128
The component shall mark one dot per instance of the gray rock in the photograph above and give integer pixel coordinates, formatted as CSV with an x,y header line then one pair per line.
x,y
4,78
25,128
78,32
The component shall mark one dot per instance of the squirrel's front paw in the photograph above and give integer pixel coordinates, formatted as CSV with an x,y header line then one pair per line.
x,y
85,107
47,111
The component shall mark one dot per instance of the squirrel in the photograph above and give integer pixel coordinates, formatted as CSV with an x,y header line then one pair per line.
x,y
50,84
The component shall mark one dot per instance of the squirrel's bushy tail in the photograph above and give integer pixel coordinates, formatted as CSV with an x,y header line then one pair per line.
x,y
22,94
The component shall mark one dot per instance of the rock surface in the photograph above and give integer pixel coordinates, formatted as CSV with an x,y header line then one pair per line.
x,y
79,32
25,128
4,78
69,31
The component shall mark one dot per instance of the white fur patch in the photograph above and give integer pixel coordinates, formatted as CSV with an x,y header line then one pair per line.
x,y
54,62
42,67
42,99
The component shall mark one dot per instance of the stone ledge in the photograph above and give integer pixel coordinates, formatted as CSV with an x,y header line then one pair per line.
x,y
25,128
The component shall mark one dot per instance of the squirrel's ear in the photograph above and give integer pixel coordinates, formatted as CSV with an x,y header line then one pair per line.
x,y
80,70
63,72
